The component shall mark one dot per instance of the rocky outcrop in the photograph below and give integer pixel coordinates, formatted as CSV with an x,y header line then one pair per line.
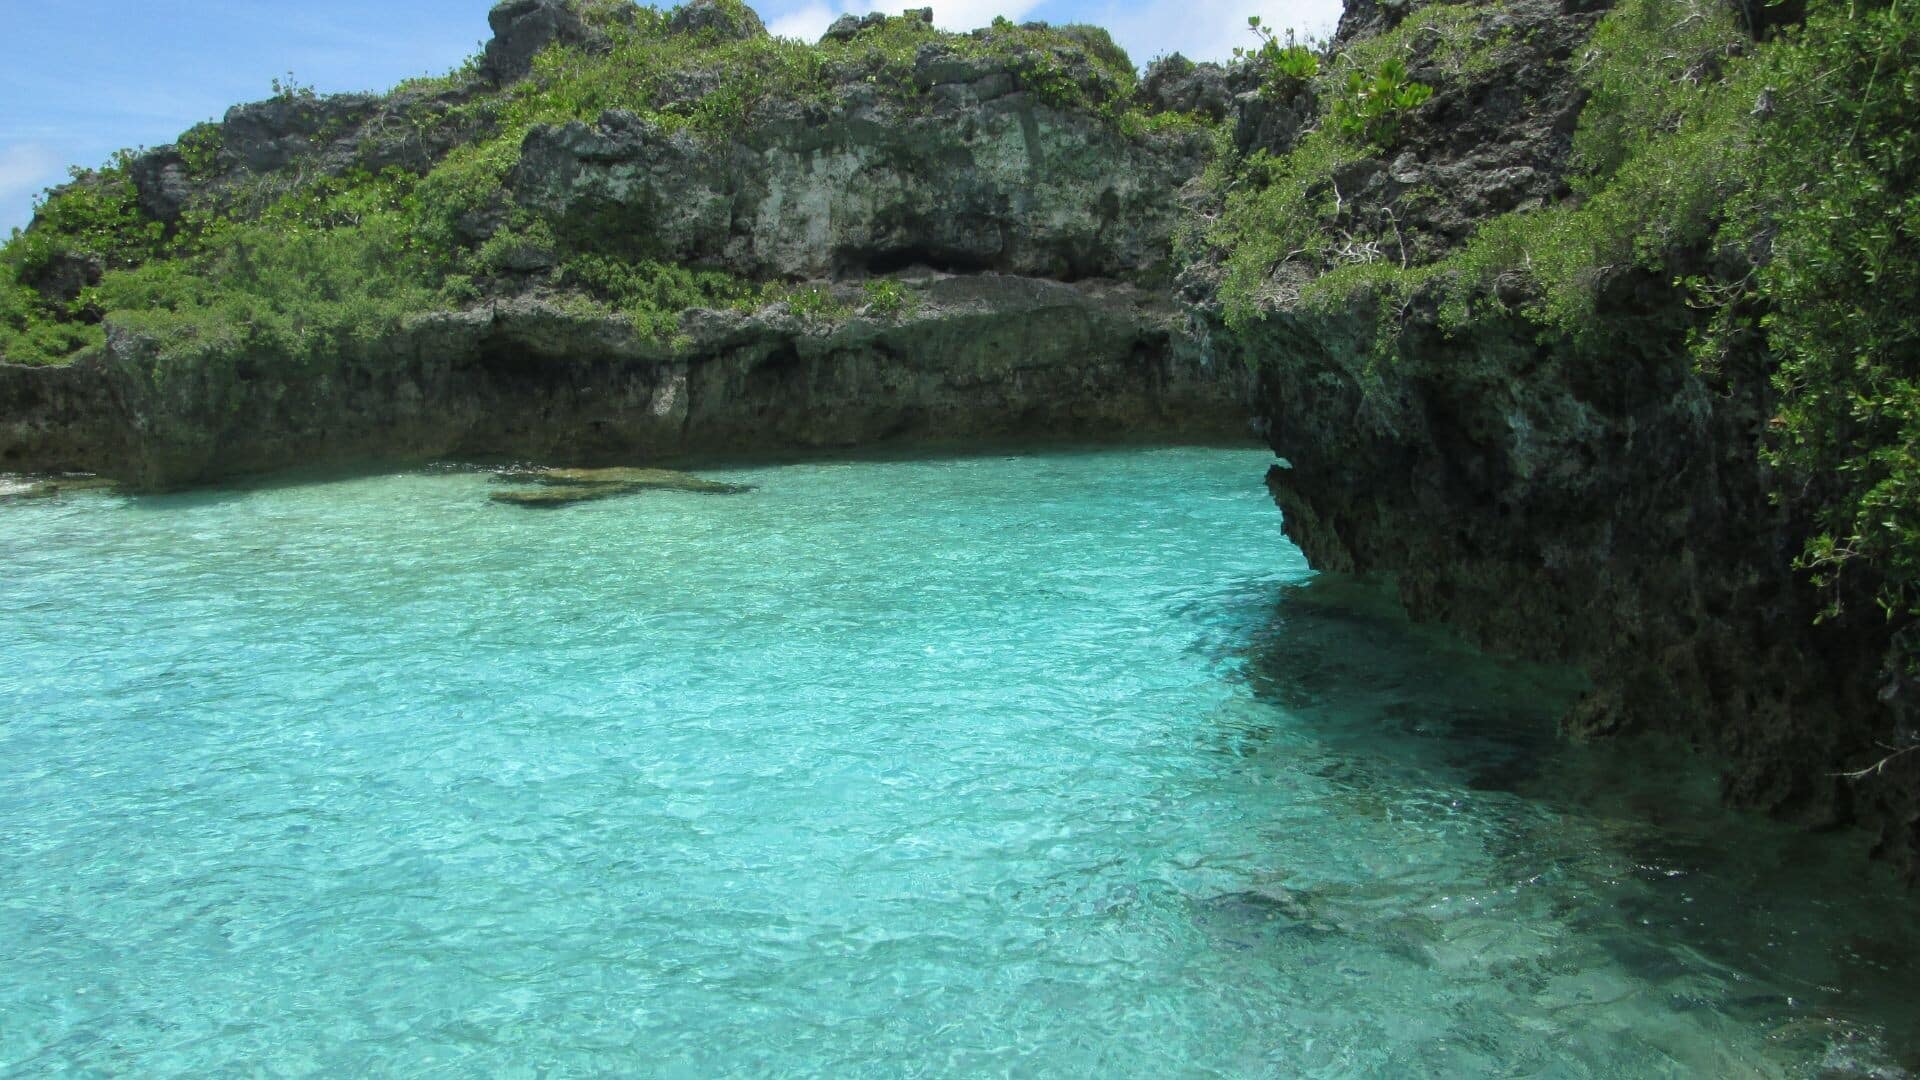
x,y
521,28
987,179
848,27
975,357
1038,235
1599,508
718,19
1600,504
257,148
1178,85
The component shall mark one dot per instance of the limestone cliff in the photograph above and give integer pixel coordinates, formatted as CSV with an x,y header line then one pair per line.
x,y
1599,500
922,237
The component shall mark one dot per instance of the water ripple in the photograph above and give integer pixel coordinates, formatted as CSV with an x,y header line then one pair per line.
x,y
1048,766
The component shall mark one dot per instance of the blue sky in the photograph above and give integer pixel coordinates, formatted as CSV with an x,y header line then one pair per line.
x,y
86,77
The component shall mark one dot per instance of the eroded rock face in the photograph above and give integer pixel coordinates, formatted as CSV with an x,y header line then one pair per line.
x,y
266,135
988,179
976,357
326,135
160,178
521,28
722,21
1602,504
1177,84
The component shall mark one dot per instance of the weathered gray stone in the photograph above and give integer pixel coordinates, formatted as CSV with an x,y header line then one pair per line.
x,y
725,20
160,178
987,179
267,135
1177,84
64,275
521,28
848,27
979,356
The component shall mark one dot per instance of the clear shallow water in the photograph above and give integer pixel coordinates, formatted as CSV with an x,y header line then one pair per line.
x,y
1031,765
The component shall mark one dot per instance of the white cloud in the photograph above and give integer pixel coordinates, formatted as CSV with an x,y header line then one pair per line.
x,y
1199,29
806,23
811,19
25,168
969,14
1209,29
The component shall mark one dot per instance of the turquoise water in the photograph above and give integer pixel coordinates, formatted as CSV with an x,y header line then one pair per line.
x,y
1052,765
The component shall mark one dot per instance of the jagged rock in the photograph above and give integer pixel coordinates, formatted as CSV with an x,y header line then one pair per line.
x,y
1362,18
160,178
268,135
984,179
726,20
521,28
1177,84
848,27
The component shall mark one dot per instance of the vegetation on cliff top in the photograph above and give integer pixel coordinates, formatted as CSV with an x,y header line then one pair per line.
x,y
269,264
1769,178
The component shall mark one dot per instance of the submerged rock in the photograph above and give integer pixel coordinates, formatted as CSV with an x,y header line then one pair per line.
x,y
565,487
556,497
638,479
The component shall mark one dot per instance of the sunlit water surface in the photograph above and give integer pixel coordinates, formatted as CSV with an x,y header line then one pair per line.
x,y
1041,765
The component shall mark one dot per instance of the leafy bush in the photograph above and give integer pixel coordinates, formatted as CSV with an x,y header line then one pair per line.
x,y
1838,156
1279,213
653,295
200,149
887,298
815,302
301,294
29,336
1370,106
96,216
1286,67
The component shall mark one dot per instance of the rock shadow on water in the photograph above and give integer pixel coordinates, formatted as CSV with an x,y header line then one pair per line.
x,y
1619,851
1340,656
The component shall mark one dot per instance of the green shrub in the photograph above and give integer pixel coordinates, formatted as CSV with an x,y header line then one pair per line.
x,y
653,295
29,336
1838,158
1286,66
301,295
816,302
887,298
200,149
1370,106
97,215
